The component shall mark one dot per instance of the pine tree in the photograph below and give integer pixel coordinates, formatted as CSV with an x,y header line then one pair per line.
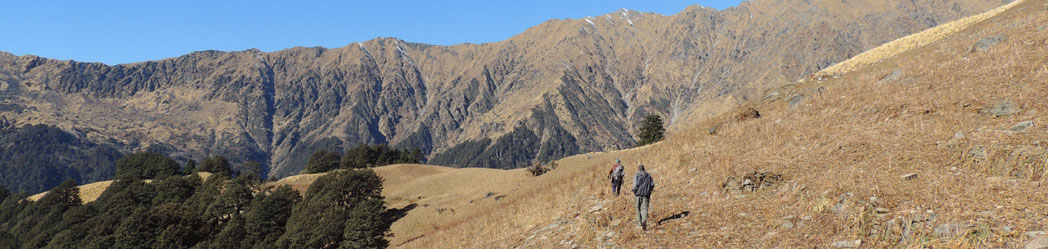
x,y
322,161
651,131
335,205
217,165
3,193
66,193
190,167
268,214
145,165
415,156
355,158
135,230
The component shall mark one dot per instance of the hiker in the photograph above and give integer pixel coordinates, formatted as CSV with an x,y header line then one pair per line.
x,y
642,187
616,174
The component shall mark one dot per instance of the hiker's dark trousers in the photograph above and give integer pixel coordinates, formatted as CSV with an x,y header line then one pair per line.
x,y
616,184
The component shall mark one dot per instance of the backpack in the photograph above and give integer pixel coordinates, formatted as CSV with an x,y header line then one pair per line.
x,y
617,172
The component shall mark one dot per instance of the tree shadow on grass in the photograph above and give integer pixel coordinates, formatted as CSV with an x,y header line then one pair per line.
x,y
394,214
682,214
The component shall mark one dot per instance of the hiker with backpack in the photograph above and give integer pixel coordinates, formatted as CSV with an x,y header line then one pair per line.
x,y
616,174
642,187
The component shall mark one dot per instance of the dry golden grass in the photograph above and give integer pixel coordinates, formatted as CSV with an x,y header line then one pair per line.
x,y
440,195
88,192
91,191
913,41
854,139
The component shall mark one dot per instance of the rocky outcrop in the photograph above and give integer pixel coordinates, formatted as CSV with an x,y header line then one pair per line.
x,y
560,88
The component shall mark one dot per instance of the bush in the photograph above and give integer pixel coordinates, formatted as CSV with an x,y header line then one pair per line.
x,y
541,168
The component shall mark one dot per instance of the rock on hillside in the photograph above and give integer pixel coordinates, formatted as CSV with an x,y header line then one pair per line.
x,y
557,89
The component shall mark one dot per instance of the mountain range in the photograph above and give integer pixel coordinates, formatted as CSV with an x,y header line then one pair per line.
x,y
560,88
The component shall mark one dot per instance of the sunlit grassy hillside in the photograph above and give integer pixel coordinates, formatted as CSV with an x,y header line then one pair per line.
x,y
965,113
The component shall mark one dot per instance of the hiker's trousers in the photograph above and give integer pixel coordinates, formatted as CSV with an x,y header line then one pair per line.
x,y
616,184
642,209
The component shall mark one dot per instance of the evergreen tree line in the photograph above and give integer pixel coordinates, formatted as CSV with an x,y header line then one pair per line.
x,y
361,156
180,209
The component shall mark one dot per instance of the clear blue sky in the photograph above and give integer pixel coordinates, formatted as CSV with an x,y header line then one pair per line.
x,y
116,32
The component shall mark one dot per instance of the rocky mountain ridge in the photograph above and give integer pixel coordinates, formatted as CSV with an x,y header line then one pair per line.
x,y
560,88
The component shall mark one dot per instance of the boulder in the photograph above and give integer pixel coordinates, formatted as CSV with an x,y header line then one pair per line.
x,y
985,43
1001,109
1040,243
1021,126
1036,234
949,230
771,95
978,153
846,243
893,76
795,101
750,182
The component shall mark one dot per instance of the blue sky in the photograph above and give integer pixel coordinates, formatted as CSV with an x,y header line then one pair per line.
x,y
116,32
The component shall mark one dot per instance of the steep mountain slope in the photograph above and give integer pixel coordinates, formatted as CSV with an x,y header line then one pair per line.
x,y
38,157
941,145
560,88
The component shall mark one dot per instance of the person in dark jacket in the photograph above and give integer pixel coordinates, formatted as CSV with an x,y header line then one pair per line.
x,y
616,174
642,187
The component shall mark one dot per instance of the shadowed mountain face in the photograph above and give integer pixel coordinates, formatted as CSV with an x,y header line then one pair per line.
x,y
559,88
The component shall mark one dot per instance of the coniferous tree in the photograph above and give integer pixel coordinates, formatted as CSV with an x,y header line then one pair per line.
x,y
8,241
384,155
3,193
217,165
66,193
651,131
344,209
322,161
251,171
175,189
334,204
145,165
268,214
190,167
176,226
233,235
68,232
366,225
415,156
135,230
356,157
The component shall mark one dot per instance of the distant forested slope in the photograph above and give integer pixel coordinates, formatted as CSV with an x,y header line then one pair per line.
x,y
38,157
